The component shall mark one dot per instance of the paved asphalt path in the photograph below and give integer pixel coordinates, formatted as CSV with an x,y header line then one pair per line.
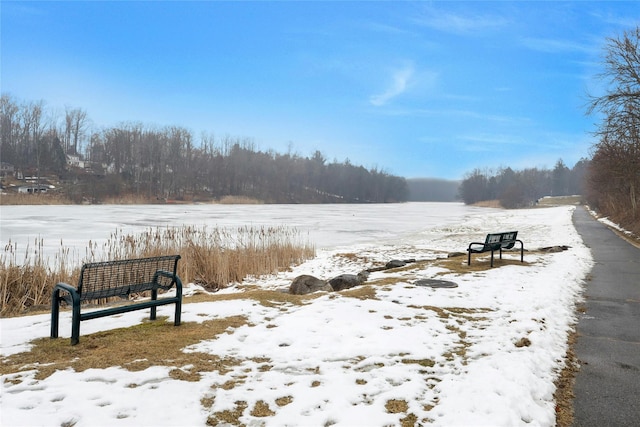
x,y
607,388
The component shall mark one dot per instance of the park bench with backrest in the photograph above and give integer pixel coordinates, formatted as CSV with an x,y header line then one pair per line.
x,y
102,281
496,242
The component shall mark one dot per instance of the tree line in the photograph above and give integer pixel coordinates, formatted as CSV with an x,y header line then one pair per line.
x,y
517,189
146,162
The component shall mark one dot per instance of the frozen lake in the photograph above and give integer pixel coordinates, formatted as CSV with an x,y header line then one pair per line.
x,y
327,226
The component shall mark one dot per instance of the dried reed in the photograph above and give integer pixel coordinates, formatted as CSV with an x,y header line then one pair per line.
x,y
7,199
211,257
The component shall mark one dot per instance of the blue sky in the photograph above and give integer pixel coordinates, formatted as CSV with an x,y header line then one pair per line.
x,y
417,89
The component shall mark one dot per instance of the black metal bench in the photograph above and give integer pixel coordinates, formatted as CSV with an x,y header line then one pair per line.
x,y
496,242
108,279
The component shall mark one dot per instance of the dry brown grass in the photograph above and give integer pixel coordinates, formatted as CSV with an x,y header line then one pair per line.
x,y
266,297
162,346
488,204
212,258
27,282
560,200
284,401
564,385
163,342
395,406
428,363
480,262
57,198
129,199
228,417
9,199
239,200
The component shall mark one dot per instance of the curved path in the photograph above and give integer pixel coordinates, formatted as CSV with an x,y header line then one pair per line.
x,y
607,387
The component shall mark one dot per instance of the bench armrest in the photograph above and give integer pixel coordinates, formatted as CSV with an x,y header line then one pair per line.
x,y
174,279
72,291
73,299
483,244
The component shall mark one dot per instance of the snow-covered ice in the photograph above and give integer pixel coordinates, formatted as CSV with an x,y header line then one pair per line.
x,y
449,355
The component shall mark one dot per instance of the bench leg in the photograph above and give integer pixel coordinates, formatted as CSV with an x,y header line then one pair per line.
x,y
154,296
177,317
521,250
178,314
75,323
469,258
55,313
491,258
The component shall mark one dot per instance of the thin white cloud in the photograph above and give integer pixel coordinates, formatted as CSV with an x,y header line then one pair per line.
x,y
487,142
458,113
21,10
623,21
555,45
385,28
459,23
399,83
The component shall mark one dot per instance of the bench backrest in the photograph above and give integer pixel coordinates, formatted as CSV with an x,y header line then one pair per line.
x,y
123,277
509,236
493,239
505,240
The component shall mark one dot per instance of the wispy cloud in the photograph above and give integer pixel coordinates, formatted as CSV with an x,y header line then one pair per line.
x,y
484,141
460,23
400,81
555,45
21,10
459,113
385,28
623,21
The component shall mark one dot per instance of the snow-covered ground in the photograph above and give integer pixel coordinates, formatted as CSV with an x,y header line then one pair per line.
x,y
484,353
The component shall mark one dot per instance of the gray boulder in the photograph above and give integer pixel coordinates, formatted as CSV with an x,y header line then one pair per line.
x,y
553,249
455,254
348,281
307,284
395,263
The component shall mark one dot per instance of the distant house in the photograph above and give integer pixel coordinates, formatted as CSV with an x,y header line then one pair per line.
x,y
32,189
6,169
75,161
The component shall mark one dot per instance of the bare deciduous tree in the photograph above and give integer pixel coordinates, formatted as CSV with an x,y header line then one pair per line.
x,y
614,174
9,128
75,126
621,73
